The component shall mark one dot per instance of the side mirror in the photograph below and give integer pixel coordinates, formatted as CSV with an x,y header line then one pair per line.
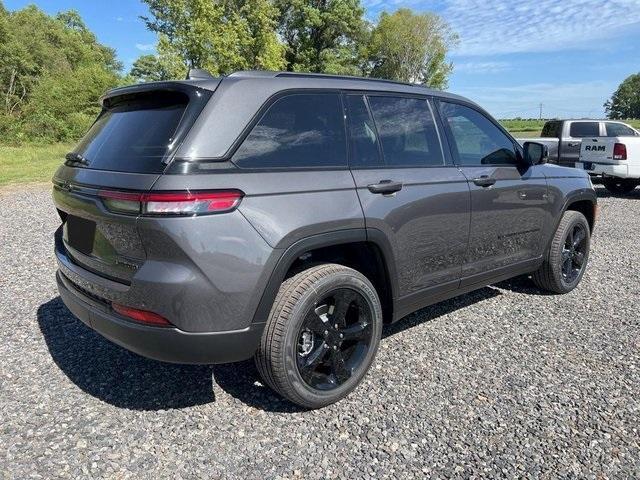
x,y
535,153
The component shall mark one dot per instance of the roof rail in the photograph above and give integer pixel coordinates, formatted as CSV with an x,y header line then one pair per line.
x,y
198,74
270,74
342,77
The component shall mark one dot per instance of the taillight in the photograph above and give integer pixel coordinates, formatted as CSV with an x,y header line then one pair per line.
x,y
171,203
619,151
142,316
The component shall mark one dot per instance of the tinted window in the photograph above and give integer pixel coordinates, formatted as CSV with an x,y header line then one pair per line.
x,y
551,129
299,130
477,140
134,137
584,129
407,131
619,130
362,132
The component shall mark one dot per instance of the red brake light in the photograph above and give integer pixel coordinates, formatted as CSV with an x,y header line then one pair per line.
x,y
171,203
141,316
619,151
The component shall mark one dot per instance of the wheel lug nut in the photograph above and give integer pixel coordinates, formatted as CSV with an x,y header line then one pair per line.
x,y
335,347
336,325
341,335
326,332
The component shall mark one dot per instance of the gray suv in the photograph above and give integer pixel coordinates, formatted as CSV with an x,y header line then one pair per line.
x,y
287,217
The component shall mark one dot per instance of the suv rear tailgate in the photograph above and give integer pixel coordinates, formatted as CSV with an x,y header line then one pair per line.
x,y
105,243
126,149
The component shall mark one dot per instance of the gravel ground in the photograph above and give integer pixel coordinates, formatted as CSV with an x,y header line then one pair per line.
x,y
503,382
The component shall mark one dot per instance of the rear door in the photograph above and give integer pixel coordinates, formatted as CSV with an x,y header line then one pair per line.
x,y
572,140
124,151
509,205
409,191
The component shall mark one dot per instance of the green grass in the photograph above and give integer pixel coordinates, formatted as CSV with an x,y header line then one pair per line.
x,y
30,163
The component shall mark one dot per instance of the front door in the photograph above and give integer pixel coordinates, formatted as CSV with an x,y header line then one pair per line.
x,y
409,192
509,202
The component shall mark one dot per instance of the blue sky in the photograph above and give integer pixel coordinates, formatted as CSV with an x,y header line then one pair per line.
x,y
569,55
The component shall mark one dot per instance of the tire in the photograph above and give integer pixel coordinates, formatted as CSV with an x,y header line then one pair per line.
x,y
555,275
620,186
294,340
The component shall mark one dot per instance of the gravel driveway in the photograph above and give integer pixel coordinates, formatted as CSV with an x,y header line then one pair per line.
x,y
501,382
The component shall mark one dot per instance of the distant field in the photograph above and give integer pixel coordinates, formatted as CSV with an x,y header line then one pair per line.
x,y
30,163
533,128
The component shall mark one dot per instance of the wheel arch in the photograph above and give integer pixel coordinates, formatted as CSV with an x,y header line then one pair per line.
x,y
359,248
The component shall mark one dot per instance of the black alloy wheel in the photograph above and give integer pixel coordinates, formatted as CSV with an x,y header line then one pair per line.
x,y
334,339
574,253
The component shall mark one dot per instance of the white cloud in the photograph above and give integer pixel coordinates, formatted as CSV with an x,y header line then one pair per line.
x,y
482,67
490,27
145,47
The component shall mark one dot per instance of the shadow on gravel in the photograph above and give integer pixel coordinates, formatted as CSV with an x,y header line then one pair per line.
x,y
127,380
522,284
115,375
604,193
432,312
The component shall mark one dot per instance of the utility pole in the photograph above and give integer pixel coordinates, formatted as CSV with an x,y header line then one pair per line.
x,y
541,111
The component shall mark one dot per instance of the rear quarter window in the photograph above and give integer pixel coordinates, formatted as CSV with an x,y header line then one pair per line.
x,y
551,129
134,136
300,130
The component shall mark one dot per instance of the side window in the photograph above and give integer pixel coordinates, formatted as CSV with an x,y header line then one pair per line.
x,y
584,129
477,140
299,130
407,131
362,133
619,130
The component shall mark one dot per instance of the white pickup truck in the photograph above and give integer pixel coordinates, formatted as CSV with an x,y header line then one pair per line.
x,y
615,159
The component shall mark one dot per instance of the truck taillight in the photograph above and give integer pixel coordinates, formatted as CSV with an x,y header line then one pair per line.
x,y
619,151
171,203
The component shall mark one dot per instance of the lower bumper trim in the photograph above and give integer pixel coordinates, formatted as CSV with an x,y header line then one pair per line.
x,y
162,343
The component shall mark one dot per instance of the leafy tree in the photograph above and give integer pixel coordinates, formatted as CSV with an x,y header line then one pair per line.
x,y
322,35
218,36
625,102
411,47
50,67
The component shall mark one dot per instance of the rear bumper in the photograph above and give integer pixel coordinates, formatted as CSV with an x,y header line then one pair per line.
x,y
160,343
612,170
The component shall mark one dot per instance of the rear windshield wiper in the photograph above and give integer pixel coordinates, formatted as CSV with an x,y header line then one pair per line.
x,y
76,158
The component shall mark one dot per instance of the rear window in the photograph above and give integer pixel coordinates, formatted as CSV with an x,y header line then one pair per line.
x,y
407,131
134,136
585,129
619,130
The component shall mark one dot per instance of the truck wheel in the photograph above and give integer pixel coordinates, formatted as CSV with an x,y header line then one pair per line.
x,y
566,260
321,336
620,186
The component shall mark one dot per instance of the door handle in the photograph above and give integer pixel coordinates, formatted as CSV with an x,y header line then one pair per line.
x,y
385,187
573,144
484,181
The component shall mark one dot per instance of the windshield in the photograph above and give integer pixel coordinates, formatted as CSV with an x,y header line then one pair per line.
x,y
133,136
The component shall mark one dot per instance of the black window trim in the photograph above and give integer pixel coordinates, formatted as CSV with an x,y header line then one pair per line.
x,y
454,152
447,159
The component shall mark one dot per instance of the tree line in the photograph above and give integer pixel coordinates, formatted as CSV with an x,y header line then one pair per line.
x,y
53,69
